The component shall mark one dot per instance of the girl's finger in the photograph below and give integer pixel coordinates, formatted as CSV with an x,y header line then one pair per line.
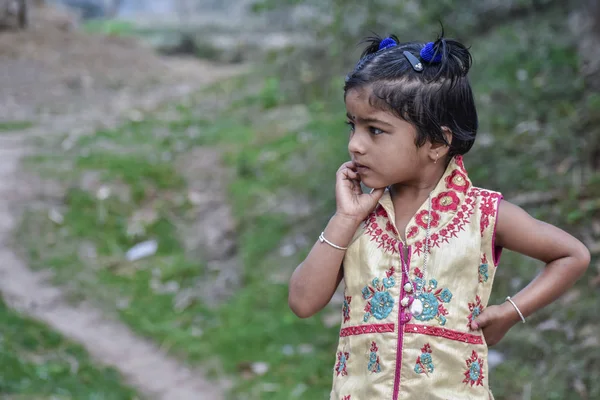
x,y
352,175
347,165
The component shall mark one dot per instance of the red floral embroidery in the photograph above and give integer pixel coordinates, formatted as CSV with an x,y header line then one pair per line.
x,y
374,363
421,219
462,218
364,329
474,373
412,232
483,270
426,348
459,161
488,208
457,181
346,308
389,227
444,333
445,201
476,308
349,397
386,241
424,364
340,367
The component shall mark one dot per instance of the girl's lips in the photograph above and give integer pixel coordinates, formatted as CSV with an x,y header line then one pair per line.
x,y
361,167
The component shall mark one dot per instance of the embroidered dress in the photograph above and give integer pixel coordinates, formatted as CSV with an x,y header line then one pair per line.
x,y
389,354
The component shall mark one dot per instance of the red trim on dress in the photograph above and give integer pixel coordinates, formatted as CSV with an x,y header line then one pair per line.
x,y
400,330
497,251
364,329
443,332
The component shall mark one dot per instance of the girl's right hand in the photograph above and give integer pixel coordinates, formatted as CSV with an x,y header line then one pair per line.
x,y
351,201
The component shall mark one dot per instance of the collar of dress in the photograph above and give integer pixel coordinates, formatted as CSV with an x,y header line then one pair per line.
x,y
452,205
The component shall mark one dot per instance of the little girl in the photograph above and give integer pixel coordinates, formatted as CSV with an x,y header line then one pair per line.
x,y
419,252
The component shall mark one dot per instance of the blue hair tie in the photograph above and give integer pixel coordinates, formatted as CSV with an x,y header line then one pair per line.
x,y
387,43
428,52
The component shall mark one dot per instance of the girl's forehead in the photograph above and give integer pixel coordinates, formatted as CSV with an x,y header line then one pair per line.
x,y
359,99
358,104
360,109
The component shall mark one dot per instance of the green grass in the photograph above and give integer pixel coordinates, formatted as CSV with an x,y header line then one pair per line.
x,y
38,363
11,126
110,27
271,166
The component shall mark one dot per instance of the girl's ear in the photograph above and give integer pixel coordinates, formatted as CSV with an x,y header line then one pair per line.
x,y
440,150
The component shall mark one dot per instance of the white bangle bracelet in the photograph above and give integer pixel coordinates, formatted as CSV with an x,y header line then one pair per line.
x,y
335,246
516,308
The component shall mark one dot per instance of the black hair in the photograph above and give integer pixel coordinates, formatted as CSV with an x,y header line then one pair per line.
x,y
438,95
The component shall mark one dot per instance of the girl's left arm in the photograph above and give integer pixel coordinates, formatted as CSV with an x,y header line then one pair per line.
x,y
566,260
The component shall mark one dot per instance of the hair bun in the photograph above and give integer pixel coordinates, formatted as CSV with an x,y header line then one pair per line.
x,y
387,43
431,54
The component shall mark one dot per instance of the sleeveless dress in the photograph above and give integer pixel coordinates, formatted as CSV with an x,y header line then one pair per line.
x,y
385,352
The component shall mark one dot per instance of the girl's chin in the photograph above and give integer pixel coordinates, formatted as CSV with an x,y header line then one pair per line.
x,y
372,184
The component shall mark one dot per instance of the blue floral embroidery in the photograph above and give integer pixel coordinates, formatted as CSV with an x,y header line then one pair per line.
x,y
374,365
476,308
446,295
474,373
432,299
388,283
346,308
419,283
340,367
380,303
424,364
430,306
483,270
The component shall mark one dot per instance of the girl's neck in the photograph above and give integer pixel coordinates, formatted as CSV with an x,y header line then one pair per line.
x,y
417,191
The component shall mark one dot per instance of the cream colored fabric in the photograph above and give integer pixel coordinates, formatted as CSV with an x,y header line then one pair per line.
x,y
383,355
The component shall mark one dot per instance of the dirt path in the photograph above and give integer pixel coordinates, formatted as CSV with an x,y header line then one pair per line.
x,y
142,363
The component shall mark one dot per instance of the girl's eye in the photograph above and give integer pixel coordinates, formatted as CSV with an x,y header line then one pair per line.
x,y
351,125
376,131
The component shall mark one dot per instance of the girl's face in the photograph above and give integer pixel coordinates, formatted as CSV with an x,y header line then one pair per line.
x,y
382,145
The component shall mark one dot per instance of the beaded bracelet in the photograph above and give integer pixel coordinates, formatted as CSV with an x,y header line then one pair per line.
x,y
335,246
516,308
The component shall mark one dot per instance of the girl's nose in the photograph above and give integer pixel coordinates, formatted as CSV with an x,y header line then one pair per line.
x,y
356,144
